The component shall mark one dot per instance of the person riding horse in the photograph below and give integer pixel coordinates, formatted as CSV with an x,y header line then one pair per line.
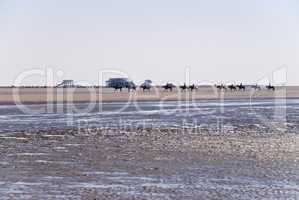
x,y
232,87
221,87
241,87
192,87
183,87
118,87
145,87
168,86
131,86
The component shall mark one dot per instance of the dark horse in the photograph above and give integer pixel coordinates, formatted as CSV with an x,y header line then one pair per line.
x,y
192,87
270,87
118,87
232,87
221,87
131,86
184,87
145,87
241,87
168,86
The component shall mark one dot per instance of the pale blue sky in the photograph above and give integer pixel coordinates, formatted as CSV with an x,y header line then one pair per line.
x,y
220,40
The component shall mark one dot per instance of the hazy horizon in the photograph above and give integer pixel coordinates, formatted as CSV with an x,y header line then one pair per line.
x,y
218,41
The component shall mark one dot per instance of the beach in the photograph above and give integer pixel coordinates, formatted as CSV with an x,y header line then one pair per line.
x,y
148,164
149,100
210,149
54,95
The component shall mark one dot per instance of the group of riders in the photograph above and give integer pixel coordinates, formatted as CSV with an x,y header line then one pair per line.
x,y
146,86
242,87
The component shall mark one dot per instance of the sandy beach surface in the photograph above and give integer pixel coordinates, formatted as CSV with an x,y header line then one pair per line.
x,y
44,95
232,149
148,164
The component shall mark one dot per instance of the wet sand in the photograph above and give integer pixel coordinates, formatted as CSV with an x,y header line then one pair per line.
x,y
148,164
44,95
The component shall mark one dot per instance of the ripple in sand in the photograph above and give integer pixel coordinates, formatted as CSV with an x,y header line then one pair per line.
x,y
162,185
97,185
53,162
28,154
4,163
28,183
17,187
106,173
133,179
12,138
60,149
55,136
21,161
52,177
75,145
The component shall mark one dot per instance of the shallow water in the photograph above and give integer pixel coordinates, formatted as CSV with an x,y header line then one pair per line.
x,y
66,166
37,168
204,182
266,115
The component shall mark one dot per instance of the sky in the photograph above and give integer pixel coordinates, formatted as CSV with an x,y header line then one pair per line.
x,y
201,41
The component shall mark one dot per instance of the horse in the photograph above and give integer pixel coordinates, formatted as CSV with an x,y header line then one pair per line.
x,y
131,86
241,87
270,87
183,87
232,87
118,87
256,87
192,87
145,87
168,86
221,87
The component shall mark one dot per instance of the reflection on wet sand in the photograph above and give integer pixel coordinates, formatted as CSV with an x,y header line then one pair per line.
x,y
244,151
150,165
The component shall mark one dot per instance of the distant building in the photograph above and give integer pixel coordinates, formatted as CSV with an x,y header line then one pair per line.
x,y
147,82
118,82
66,83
